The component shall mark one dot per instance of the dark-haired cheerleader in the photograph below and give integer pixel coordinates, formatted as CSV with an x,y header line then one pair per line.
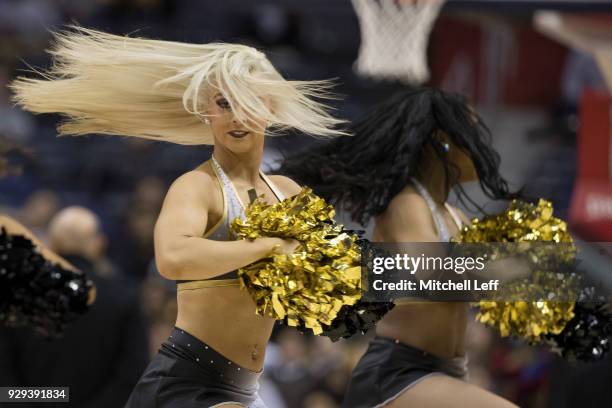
x,y
398,168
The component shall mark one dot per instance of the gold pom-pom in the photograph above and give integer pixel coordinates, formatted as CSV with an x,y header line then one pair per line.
x,y
527,224
527,320
306,288
532,320
521,222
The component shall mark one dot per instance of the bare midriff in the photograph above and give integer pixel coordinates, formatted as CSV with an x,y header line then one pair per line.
x,y
435,327
224,318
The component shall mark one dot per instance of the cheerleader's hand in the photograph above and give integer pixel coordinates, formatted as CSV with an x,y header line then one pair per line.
x,y
91,295
284,246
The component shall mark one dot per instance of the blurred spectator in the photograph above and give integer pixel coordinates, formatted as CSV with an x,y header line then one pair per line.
x,y
16,125
269,394
309,371
552,175
159,303
290,372
319,399
479,342
25,26
138,223
101,355
11,156
520,373
579,73
327,367
38,209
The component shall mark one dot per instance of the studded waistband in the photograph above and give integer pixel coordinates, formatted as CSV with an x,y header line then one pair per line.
x,y
187,346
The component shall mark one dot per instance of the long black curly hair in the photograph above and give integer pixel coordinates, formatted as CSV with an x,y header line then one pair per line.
x,y
362,173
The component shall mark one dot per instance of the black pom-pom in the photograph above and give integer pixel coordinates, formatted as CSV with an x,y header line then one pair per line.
x,y
356,319
35,292
587,336
352,320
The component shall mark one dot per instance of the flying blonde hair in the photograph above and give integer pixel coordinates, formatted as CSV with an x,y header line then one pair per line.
x,y
158,90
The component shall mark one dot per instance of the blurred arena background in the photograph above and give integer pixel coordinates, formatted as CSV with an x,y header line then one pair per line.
x,y
541,88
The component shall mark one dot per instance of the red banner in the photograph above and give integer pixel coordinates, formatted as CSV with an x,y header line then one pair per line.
x,y
591,207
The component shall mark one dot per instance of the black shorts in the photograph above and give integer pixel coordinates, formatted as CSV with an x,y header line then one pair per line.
x,y
389,368
187,373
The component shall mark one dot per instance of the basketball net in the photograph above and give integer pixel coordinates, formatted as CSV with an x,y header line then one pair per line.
x,y
394,36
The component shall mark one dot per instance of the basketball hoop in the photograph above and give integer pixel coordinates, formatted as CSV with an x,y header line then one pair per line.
x,y
394,35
